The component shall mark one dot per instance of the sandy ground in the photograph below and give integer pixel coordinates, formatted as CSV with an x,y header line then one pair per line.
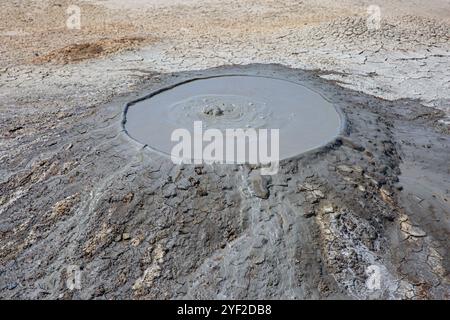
x,y
62,89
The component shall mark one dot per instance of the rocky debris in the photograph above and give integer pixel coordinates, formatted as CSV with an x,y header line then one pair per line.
x,y
64,206
409,229
387,194
151,273
327,209
147,278
386,191
126,236
345,169
352,244
128,197
413,231
313,191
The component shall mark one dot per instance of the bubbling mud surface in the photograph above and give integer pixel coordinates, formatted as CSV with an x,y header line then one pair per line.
x,y
305,119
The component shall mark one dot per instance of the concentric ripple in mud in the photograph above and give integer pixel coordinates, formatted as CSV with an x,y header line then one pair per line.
x,y
305,119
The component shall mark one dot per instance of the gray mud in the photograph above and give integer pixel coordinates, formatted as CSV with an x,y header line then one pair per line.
x,y
84,193
304,118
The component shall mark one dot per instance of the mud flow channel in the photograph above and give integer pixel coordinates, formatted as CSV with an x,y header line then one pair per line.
x,y
304,118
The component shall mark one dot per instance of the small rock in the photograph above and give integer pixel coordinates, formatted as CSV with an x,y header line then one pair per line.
x,y
319,194
328,208
305,187
344,168
128,197
259,186
412,230
126,236
135,241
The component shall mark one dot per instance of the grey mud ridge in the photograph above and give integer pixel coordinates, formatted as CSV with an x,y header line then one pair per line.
x,y
85,194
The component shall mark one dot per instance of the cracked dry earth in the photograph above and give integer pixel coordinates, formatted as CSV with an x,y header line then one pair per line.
x,y
76,190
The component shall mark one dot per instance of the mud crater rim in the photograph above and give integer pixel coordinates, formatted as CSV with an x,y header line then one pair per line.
x,y
218,112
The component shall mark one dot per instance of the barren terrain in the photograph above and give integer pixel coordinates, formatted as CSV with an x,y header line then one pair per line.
x,y
76,190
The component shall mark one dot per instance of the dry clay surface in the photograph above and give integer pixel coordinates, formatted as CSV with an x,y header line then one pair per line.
x,y
75,190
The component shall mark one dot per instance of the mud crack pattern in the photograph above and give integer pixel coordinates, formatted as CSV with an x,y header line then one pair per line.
x,y
81,193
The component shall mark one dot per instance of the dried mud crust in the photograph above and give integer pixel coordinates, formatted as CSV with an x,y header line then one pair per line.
x,y
90,50
75,190
406,58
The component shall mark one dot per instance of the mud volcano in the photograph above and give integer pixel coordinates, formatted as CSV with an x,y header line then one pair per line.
x,y
305,119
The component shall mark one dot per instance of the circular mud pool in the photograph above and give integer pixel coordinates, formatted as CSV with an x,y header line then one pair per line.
x,y
304,118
